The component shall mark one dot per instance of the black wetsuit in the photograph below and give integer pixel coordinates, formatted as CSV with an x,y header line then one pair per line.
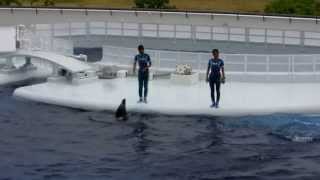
x,y
215,66
144,62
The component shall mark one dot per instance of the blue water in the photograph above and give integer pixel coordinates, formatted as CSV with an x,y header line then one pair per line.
x,y
39,141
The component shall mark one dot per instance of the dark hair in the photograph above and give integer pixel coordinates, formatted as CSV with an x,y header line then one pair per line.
x,y
140,47
215,51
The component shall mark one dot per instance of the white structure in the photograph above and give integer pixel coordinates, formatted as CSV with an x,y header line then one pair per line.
x,y
7,39
65,62
196,26
169,98
244,67
74,70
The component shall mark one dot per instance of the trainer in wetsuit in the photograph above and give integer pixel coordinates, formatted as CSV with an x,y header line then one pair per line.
x,y
215,76
144,62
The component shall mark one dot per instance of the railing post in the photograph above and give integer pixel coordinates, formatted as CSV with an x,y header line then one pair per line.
x,y
175,33
199,62
265,37
283,35
122,30
245,64
51,36
268,64
293,64
159,60
247,35
69,30
158,31
140,32
314,66
106,29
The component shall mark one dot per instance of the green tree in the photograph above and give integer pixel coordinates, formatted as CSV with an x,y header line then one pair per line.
x,y
10,2
293,7
41,2
153,4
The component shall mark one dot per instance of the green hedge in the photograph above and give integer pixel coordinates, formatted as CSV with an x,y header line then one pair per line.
x,y
294,7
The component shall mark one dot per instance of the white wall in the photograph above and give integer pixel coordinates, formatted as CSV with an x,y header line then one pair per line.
x,y
7,39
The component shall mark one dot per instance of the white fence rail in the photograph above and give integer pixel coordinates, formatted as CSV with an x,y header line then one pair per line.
x,y
186,31
234,63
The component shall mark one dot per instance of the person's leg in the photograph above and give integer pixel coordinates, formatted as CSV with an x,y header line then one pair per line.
x,y
211,83
140,79
218,85
146,84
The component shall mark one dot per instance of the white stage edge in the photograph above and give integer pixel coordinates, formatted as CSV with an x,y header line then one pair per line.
x,y
167,98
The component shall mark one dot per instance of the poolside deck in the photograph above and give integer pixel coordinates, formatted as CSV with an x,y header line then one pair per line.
x,y
168,98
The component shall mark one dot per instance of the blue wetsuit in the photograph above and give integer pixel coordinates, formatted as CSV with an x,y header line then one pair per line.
x,y
144,62
215,65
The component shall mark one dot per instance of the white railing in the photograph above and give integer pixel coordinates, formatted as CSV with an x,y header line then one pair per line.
x,y
186,31
258,64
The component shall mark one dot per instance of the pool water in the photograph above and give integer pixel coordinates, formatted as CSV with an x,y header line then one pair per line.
x,y
39,141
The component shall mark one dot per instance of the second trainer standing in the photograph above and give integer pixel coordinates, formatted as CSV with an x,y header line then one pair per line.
x,y
144,62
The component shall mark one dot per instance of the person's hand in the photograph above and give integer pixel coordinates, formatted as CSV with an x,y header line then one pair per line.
x,y
223,80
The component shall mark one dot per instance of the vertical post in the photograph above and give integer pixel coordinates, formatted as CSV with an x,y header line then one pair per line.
x,y
246,36
88,26
69,31
268,64
106,29
175,33
292,60
51,36
245,64
158,31
122,31
228,34
199,62
265,36
211,28
302,38
140,32
158,58
314,66
293,63
283,38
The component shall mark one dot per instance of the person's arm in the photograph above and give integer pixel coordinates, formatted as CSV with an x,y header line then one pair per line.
x,y
150,63
207,74
222,72
134,65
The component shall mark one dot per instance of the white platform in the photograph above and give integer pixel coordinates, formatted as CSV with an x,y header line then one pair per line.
x,y
184,79
165,97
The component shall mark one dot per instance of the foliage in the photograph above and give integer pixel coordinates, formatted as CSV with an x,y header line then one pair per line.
x,y
28,2
294,7
153,4
10,2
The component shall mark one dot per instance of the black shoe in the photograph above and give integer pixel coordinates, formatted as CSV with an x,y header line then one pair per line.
x,y
140,100
213,105
217,105
145,100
